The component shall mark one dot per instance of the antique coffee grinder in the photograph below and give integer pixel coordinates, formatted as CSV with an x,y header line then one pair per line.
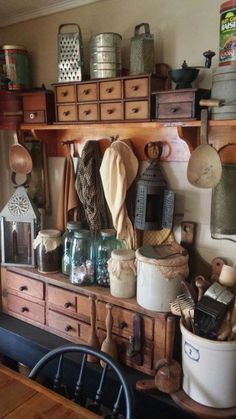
x,y
154,206
19,226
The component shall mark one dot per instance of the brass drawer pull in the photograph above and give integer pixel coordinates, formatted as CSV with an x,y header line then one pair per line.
x,y
23,288
175,109
87,111
24,309
66,113
122,325
67,304
135,88
109,89
68,328
64,93
110,111
135,110
86,91
33,115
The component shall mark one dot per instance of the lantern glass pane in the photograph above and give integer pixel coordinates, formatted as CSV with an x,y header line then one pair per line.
x,y
17,242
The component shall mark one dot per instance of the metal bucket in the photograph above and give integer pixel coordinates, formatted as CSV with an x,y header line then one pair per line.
x,y
105,55
224,88
14,65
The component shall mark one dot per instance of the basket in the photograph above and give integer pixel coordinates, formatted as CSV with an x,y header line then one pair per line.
x,y
70,60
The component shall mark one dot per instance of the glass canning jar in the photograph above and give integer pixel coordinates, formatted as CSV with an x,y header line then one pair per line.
x,y
71,228
48,245
82,259
106,243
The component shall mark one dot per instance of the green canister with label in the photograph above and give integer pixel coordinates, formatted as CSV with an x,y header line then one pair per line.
x,y
227,52
14,67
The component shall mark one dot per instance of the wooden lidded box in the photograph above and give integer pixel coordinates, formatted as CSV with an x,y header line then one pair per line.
x,y
39,107
179,104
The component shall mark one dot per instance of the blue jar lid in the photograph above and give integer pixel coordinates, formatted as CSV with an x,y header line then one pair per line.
x,y
82,234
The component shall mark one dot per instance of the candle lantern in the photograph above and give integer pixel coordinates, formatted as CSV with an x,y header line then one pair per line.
x,y
154,206
19,226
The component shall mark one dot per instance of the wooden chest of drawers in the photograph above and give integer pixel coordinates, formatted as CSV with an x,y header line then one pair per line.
x,y
106,100
179,104
52,303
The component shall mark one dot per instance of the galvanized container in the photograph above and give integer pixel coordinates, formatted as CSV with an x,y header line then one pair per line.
x,y
142,51
70,54
105,55
224,88
14,63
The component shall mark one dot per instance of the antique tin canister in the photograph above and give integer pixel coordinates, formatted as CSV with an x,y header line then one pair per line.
x,y
14,67
227,52
105,55
142,51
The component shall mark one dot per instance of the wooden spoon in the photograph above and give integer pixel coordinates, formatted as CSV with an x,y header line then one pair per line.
x,y
20,160
204,167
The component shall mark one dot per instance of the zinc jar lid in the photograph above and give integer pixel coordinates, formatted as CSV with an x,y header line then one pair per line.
x,y
74,225
50,233
13,47
82,234
109,232
123,254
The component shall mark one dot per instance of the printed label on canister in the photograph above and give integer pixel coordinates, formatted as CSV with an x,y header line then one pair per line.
x,y
227,52
14,67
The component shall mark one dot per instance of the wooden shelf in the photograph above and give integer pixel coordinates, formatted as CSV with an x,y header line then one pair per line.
x,y
182,136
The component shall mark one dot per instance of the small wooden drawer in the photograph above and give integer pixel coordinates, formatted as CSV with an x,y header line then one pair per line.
x,y
65,93
110,90
34,117
88,112
136,88
67,113
26,308
123,321
111,111
137,110
24,285
83,306
68,326
176,110
87,92
63,299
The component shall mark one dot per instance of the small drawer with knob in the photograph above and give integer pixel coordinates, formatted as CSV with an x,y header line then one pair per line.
x,y
67,113
24,286
39,107
137,110
136,88
110,90
25,308
68,326
112,111
61,299
88,112
65,93
87,92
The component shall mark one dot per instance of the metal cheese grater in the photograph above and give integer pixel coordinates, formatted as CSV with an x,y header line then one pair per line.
x,y
142,50
70,57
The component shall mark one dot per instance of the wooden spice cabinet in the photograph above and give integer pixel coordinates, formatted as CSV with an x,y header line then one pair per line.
x,y
52,303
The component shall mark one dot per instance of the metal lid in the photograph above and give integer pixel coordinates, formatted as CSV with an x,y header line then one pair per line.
x,y
109,232
123,254
82,234
13,47
74,225
49,233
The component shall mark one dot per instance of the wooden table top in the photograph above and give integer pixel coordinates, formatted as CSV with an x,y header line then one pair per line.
x,y
24,398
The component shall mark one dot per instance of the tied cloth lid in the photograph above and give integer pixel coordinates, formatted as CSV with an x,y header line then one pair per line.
x,y
121,259
50,239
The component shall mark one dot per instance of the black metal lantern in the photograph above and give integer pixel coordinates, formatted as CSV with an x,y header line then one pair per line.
x,y
154,206
19,227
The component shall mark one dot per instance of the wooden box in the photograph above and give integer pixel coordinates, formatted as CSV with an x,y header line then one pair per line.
x,y
179,104
38,107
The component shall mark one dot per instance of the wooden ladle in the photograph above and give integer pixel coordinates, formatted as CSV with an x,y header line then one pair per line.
x,y
204,167
20,160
